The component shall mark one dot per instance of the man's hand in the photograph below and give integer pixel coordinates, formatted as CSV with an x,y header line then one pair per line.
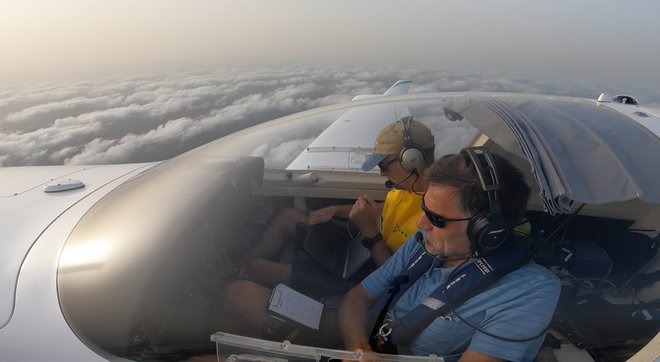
x,y
321,215
365,214
327,213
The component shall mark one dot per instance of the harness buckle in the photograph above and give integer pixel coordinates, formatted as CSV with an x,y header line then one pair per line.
x,y
385,329
382,339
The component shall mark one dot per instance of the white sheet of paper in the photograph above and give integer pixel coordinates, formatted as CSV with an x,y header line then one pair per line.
x,y
296,306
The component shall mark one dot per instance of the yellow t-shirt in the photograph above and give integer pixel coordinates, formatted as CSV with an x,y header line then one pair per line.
x,y
399,217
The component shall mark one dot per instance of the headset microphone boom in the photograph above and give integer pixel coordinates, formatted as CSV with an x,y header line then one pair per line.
x,y
390,184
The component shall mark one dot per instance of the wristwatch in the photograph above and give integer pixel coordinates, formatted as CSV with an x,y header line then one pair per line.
x,y
370,242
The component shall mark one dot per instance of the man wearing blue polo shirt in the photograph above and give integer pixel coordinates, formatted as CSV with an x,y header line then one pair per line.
x,y
472,202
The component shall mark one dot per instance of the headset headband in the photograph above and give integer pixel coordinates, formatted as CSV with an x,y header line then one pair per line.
x,y
487,229
485,167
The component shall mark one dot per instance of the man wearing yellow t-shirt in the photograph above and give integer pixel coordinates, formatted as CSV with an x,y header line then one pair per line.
x,y
403,150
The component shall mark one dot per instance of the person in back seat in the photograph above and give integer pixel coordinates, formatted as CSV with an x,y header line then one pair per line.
x,y
403,151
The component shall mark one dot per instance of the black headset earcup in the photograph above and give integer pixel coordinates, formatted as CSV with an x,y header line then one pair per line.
x,y
412,159
486,232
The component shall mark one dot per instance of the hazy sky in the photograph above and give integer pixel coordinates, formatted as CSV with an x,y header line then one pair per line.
x,y
110,81
614,40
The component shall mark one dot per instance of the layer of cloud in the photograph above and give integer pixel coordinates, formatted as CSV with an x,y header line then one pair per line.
x,y
148,117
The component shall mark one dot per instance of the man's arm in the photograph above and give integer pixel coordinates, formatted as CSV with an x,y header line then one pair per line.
x,y
366,213
353,319
327,213
380,253
366,216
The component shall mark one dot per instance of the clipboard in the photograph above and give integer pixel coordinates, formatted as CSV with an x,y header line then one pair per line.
x,y
294,306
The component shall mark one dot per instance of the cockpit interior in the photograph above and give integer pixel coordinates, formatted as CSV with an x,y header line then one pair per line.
x,y
166,240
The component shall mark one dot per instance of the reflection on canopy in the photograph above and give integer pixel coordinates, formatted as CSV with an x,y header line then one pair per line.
x,y
578,150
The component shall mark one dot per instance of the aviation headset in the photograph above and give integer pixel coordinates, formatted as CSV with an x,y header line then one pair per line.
x,y
488,229
410,156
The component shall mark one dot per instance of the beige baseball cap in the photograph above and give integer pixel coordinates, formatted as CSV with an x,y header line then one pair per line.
x,y
390,141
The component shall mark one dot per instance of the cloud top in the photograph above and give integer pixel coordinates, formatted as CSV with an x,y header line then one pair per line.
x,y
148,117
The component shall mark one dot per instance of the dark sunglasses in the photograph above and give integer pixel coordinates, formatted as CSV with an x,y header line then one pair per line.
x,y
437,220
383,165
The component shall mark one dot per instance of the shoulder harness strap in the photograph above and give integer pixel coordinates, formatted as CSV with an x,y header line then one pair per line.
x,y
471,280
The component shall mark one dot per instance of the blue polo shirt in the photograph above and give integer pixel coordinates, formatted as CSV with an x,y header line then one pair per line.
x,y
519,305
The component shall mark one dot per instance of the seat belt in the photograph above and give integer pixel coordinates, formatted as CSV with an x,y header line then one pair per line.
x,y
471,280
420,262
